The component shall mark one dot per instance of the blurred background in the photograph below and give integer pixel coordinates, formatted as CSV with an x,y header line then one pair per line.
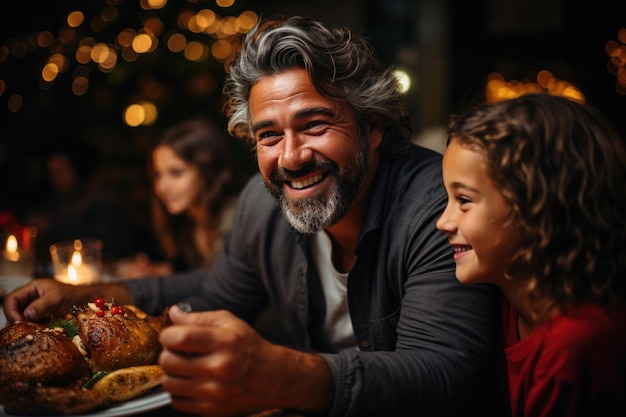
x,y
107,76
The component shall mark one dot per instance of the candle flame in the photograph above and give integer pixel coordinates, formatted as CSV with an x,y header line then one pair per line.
x,y
77,259
72,275
11,253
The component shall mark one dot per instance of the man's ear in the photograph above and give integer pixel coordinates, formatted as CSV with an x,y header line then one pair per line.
x,y
375,131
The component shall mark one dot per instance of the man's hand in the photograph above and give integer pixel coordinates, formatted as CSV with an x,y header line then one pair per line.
x,y
216,365
41,299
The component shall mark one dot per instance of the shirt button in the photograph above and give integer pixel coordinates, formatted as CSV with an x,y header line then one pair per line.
x,y
365,343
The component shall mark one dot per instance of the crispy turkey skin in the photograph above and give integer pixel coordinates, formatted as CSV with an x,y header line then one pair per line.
x,y
43,369
116,341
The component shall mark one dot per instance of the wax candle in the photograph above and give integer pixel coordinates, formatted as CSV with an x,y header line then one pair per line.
x,y
75,263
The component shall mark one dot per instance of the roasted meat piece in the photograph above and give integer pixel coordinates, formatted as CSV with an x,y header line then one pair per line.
x,y
43,370
17,330
49,356
116,339
62,401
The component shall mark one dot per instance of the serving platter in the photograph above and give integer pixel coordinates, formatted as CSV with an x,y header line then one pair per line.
x,y
151,401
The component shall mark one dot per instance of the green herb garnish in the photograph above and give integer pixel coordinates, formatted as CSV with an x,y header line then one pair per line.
x,y
94,378
70,326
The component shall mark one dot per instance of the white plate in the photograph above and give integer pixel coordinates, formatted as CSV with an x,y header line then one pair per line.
x,y
148,402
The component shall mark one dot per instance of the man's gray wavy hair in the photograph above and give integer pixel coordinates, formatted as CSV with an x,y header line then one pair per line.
x,y
342,66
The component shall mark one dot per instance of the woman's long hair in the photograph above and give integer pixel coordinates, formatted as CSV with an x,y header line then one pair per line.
x,y
203,145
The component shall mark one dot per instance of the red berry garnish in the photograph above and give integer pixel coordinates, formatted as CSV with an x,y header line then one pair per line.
x,y
99,302
100,313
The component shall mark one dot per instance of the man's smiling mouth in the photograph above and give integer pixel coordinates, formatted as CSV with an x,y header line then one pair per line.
x,y
298,185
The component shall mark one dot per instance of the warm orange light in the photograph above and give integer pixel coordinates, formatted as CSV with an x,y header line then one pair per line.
x,y
176,42
196,51
221,49
72,275
11,252
75,19
498,88
142,43
224,3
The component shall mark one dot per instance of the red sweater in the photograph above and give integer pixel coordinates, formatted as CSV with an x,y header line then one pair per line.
x,y
573,365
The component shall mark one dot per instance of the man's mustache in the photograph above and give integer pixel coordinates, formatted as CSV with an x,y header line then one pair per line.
x,y
280,175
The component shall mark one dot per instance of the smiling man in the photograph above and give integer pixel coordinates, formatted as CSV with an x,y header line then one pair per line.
x,y
344,245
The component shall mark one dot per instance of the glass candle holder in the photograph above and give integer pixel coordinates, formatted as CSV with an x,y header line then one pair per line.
x,y
17,244
77,262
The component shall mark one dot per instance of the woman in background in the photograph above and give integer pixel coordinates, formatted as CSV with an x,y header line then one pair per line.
x,y
195,183
537,206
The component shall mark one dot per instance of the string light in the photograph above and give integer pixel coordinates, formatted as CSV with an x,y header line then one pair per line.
x,y
616,50
498,88
103,40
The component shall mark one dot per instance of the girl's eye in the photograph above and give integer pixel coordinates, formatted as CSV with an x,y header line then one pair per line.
x,y
177,172
462,200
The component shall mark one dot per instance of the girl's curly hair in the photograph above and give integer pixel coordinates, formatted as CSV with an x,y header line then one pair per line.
x,y
562,167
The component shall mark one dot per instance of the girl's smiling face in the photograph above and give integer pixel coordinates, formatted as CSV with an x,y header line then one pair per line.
x,y
476,218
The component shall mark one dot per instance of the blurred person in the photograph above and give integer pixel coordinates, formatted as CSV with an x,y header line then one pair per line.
x,y
195,185
536,205
337,231
76,207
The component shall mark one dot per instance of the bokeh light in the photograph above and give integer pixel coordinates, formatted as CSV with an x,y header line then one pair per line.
x,y
498,88
616,50
106,41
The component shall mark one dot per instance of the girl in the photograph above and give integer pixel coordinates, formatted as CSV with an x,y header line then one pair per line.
x,y
196,184
537,206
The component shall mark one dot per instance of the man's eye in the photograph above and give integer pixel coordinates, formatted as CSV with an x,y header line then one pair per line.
x,y
315,124
268,137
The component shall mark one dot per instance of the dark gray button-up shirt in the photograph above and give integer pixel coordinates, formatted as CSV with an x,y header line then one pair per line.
x,y
424,339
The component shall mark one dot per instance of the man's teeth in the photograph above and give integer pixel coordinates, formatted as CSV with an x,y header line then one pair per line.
x,y
305,183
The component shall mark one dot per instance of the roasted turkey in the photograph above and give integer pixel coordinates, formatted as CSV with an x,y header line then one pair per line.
x,y
43,369
116,341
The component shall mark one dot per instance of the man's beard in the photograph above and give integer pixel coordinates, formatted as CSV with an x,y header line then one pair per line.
x,y
310,215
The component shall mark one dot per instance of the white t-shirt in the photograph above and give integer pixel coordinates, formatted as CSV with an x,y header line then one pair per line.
x,y
337,325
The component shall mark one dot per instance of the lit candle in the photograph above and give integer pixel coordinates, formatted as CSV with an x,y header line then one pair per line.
x,y
11,252
78,272
75,263
72,276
